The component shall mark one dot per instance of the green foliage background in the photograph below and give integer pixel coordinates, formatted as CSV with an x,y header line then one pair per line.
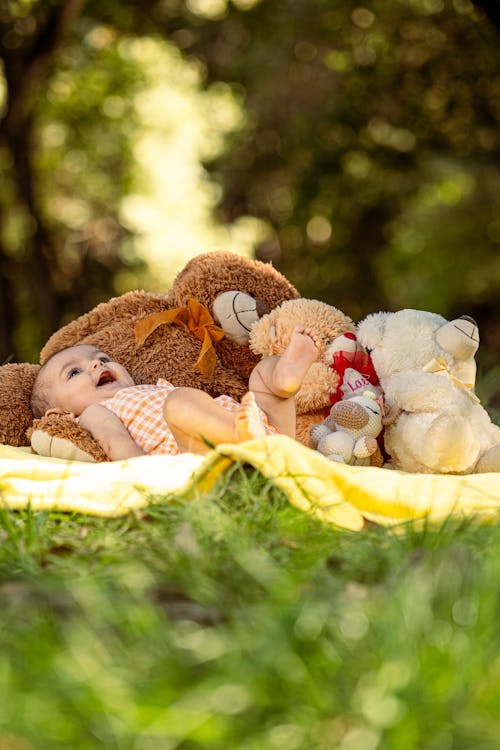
x,y
366,147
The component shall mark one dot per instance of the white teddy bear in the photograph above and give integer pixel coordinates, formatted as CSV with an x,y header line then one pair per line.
x,y
427,371
349,434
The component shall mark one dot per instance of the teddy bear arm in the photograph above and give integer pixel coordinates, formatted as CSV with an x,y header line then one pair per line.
x,y
60,436
318,432
417,391
365,446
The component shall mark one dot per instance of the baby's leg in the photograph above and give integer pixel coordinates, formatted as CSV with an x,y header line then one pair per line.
x,y
194,416
276,380
284,375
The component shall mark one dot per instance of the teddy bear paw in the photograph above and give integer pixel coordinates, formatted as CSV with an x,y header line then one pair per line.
x,y
55,447
365,446
318,432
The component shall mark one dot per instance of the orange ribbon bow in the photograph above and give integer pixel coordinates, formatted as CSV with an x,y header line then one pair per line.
x,y
194,318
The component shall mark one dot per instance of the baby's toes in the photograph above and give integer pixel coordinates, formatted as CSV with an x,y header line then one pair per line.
x,y
313,335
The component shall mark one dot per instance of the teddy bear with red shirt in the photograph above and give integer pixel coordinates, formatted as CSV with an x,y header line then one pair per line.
x,y
354,367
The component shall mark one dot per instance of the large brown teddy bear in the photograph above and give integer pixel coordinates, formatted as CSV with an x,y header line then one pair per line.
x,y
195,335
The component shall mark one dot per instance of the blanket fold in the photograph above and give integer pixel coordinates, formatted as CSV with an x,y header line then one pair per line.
x,y
334,493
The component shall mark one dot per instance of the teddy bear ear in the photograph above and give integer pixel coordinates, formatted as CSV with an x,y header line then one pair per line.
x,y
371,329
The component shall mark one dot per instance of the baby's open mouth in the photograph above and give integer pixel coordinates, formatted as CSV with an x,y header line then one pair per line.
x,y
105,378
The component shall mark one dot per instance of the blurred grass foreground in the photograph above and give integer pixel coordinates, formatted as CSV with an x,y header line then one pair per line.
x,y
239,622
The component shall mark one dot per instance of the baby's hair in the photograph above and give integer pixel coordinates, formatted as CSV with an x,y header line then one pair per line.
x,y
40,394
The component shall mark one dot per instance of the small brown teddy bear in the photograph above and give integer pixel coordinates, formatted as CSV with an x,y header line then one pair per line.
x,y
271,334
195,335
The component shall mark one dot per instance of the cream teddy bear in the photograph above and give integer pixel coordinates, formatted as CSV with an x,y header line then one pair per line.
x,y
427,371
349,434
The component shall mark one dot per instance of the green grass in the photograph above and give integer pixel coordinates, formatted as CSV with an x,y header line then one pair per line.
x,y
238,622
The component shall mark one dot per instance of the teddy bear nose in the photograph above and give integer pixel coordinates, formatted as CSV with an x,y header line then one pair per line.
x,y
261,308
469,319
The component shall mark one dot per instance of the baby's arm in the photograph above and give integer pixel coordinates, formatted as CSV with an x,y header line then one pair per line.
x,y
110,433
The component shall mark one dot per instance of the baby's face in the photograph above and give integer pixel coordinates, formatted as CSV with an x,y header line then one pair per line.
x,y
83,375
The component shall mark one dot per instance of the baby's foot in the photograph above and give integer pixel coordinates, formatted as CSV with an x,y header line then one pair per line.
x,y
304,342
301,352
248,423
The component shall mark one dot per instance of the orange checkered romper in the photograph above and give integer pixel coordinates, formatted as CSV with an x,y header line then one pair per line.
x,y
140,408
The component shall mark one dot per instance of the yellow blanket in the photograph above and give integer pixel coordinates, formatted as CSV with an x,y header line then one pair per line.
x,y
343,495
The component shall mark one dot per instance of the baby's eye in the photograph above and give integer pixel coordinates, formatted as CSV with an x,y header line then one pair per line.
x,y
104,359
74,371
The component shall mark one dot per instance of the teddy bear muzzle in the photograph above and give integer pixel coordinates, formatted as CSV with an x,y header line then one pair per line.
x,y
236,312
459,337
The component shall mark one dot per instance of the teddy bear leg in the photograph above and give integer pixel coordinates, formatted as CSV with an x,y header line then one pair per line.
x,y
450,445
490,461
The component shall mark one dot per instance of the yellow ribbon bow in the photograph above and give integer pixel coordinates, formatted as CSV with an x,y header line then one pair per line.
x,y
441,367
194,318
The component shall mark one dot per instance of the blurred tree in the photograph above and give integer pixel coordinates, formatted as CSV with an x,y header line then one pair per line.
x,y
491,8
371,149
28,42
65,154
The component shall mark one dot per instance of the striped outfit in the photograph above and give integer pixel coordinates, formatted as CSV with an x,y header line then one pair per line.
x,y
140,408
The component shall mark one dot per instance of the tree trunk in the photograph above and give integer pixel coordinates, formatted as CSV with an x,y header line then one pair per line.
x,y
25,67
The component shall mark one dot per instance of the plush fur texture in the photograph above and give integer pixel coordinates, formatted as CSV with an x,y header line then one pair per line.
x,y
16,384
426,368
271,334
169,352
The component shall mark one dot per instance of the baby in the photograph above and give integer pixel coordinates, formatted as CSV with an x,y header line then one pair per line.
x,y
130,420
